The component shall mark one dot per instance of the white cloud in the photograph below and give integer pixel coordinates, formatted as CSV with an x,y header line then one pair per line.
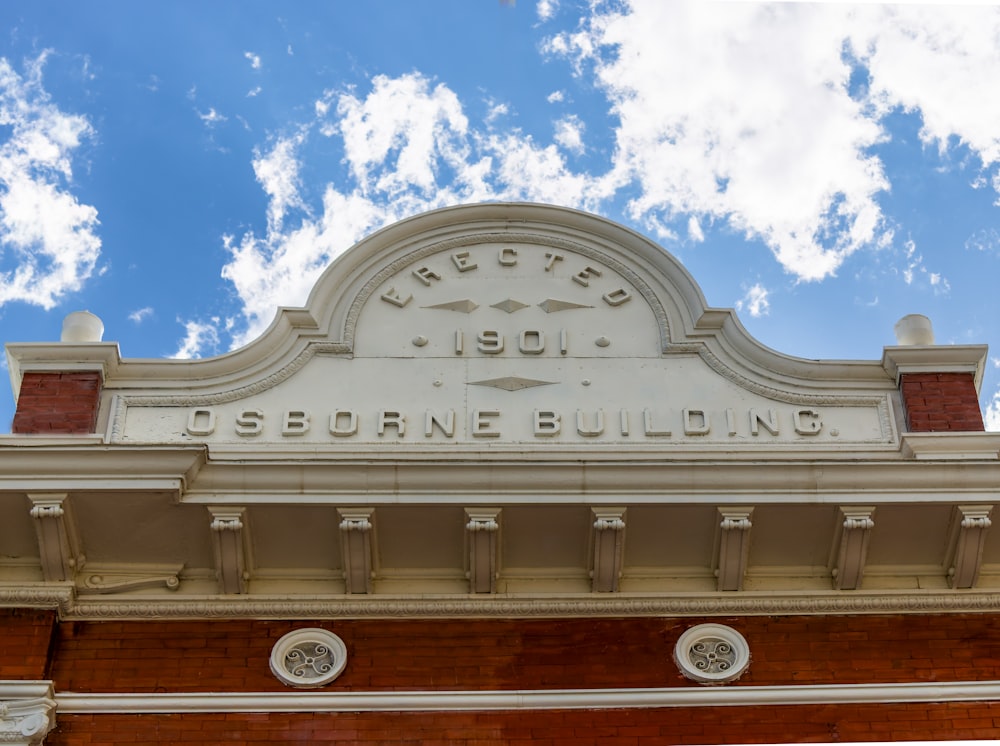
x,y
200,338
747,112
278,173
695,233
48,240
755,301
546,9
254,92
752,117
211,117
140,314
254,60
991,414
569,133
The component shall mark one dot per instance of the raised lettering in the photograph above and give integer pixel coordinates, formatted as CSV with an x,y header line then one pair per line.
x,y
696,422
552,259
391,419
343,431
391,296
459,342
201,422
249,422
446,426
617,297
547,423
490,342
531,342
507,257
770,424
295,422
426,274
590,432
650,431
583,276
623,421
463,261
807,422
482,427
731,422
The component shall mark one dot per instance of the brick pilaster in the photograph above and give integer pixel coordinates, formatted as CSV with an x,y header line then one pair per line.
x,y
941,402
58,403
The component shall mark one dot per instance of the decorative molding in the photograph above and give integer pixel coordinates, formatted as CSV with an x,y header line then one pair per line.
x,y
58,546
230,541
308,658
969,526
505,237
608,540
358,546
527,699
712,654
851,546
732,541
482,530
386,606
119,579
27,712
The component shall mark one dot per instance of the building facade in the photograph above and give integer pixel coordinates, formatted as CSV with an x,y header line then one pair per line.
x,y
506,479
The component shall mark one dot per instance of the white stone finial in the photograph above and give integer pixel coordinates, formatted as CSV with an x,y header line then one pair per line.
x,y
82,326
914,329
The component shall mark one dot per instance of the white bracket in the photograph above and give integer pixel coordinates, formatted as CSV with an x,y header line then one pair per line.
x,y
27,712
230,534
482,530
854,529
357,526
732,540
969,525
608,541
58,545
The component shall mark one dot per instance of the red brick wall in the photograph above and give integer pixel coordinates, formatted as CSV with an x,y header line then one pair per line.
x,y
938,402
25,638
524,654
548,727
58,403
464,654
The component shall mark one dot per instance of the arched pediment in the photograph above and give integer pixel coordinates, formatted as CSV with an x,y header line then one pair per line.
x,y
494,324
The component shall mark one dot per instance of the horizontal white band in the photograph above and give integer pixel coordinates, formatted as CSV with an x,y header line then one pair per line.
x,y
533,699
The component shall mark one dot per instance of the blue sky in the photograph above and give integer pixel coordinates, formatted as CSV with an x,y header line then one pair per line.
x,y
182,168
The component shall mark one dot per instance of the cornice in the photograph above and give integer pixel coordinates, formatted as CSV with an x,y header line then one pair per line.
x,y
935,359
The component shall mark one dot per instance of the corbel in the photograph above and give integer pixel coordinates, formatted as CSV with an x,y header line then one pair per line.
x,y
608,539
969,526
230,535
27,712
58,545
357,527
854,528
732,540
482,530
